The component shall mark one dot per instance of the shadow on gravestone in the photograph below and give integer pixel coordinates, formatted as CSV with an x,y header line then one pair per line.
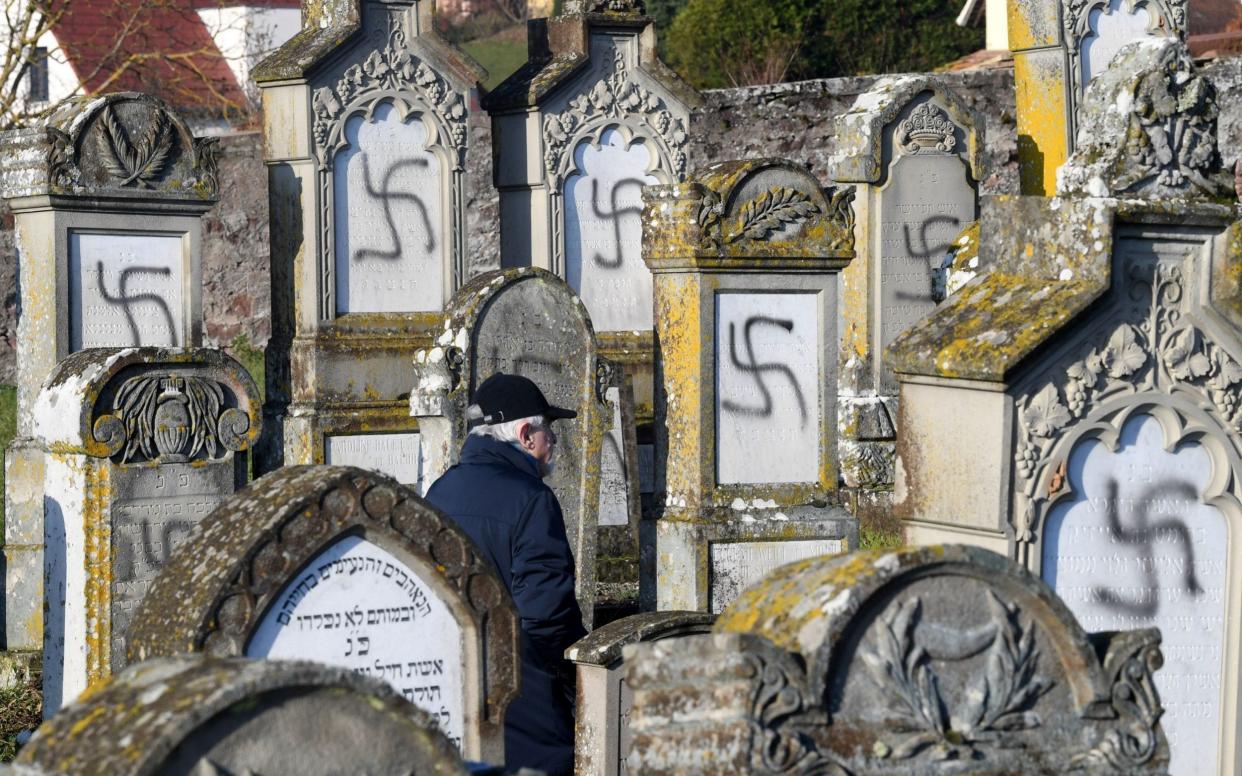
x,y
345,567
198,716
942,659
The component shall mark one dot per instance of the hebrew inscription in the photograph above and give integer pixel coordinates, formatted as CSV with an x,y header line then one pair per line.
x,y
603,233
767,388
389,228
125,290
358,606
736,566
397,455
1138,548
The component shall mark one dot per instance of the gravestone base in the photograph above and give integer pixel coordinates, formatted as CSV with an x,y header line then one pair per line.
x,y
23,546
707,560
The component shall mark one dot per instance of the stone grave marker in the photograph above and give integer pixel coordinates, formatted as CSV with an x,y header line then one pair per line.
x,y
602,721
346,567
140,444
107,195
375,147
620,506
745,257
913,149
195,715
529,322
1098,394
1058,48
945,659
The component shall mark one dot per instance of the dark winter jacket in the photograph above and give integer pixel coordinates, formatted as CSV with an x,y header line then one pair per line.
x,y
497,497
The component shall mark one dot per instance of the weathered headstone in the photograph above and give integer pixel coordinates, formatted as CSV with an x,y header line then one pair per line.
x,y
1058,48
915,152
1090,378
374,150
107,195
200,716
944,659
746,257
526,322
620,502
139,445
349,568
602,721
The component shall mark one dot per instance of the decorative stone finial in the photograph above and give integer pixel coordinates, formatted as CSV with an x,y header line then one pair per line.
x,y
635,7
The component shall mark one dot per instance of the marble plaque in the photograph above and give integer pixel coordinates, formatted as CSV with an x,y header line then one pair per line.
x,y
388,205
614,491
1107,33
736,566
397,455
603,232
923,207
125,290
359,607
528,330
1138,548
154,508
767,388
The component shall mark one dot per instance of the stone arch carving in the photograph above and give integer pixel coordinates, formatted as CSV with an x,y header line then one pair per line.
x,y
391,75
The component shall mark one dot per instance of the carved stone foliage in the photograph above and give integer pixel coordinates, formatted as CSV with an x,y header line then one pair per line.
x,y
1131,661
637,7
389,74
171,418
130,142
615,99
928,129
770,211
1168,17
1157,351
782,714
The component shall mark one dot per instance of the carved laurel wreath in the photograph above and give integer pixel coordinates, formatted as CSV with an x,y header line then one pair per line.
x,y
771,210
1157,354
616,97
389,72
170,418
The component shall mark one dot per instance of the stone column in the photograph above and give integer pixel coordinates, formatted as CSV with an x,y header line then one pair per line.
x,y
746,257
107,196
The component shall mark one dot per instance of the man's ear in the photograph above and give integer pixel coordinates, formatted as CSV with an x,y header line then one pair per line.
x,y
524,432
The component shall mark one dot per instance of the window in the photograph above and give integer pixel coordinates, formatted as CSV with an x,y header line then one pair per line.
x,y
38,75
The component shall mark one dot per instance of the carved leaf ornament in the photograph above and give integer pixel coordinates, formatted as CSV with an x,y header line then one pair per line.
x,y
134,162
616,97
171,418
770,211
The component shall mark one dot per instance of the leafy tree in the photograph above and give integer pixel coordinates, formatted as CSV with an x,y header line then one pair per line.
x,y
889,36
716,43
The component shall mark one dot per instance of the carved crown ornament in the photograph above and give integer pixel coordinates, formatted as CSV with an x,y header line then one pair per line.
x,y
130,142
171,418
928,129
1162,353
389,74
616,98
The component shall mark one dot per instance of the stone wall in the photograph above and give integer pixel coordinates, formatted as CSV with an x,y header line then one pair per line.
x,y
793,121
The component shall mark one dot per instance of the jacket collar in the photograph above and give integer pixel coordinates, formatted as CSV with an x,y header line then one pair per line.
x,y
485,450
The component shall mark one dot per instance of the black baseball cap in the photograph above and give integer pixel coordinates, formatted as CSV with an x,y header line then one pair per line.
x,y
505,397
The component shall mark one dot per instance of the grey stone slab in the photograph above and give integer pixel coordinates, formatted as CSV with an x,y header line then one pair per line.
x,y
736,566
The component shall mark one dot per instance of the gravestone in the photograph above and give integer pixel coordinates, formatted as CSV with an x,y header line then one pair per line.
x,y
946,659
379,166
602,731
107,196
1058,48
620,502
915,152
194,715
349,568
139,445
746,257
526,322
1090,376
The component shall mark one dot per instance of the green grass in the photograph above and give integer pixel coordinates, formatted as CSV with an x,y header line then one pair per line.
x,y
251,358
874,539
21,708
501,54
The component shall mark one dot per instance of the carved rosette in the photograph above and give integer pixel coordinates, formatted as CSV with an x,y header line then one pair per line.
x,y
616,99
927,129
1162,353
171,418
770,211
390,73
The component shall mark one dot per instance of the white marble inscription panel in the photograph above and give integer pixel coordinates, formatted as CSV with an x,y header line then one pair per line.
x,y
767,388
359,607
1138,548
125,290
614,492
603,232
397,455
923,208
736,566
388,204
1108,30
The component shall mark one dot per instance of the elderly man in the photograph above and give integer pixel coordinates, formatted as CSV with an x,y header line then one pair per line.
x,y
497,496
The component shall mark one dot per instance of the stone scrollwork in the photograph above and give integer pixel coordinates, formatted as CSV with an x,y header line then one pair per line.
x,y
170,418
1136,702
778,744
927,129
